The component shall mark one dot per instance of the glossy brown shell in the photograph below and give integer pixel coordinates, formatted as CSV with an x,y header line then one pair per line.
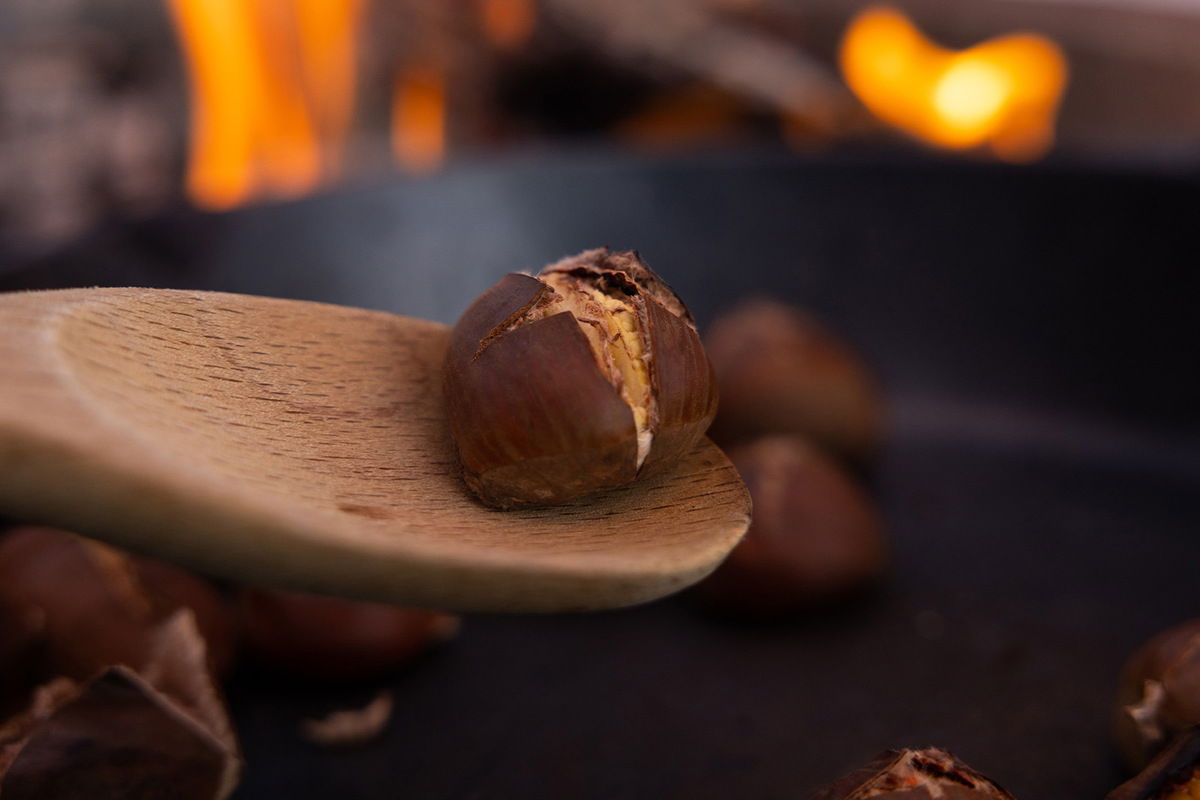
x,y
815,537
1170,659
534,419
782,371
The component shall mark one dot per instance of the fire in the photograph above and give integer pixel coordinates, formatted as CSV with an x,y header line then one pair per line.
x,y
508,24
1002,93
419,118
272,88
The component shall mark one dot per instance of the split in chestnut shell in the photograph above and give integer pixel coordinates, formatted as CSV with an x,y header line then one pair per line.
x,y
580,380
928,774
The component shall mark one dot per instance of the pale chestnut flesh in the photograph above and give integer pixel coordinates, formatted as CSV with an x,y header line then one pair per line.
x,y
576,381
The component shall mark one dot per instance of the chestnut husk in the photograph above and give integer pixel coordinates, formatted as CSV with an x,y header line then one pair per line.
x,y
535,420
929,774
1178,762
1159,693
815,537
157,731
781,371
328,638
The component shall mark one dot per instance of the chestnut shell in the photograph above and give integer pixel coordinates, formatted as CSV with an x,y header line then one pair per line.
x,y
1177,762
1159,693
815,536
328,638
96,606
534,419
781,371
929,774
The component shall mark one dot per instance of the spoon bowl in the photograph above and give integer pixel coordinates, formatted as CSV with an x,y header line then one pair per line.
x,y
302,445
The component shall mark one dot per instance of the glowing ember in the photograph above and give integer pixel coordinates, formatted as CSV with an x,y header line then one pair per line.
x,y
1002,93
272,94
419,118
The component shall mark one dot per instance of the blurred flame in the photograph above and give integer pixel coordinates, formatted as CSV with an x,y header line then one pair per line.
x,y
1003,92
508,24
272,94
327,34
419,118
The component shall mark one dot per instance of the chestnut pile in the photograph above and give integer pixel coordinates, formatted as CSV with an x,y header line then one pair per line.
x,y
110,666
582,379
800,414
592,375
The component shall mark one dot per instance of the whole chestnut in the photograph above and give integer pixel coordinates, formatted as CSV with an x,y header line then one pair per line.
x,y
579,380
96,606
780,370
1159,693
313,636
815,536
929,774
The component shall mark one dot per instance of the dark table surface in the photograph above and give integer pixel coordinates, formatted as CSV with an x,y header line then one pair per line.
x,y
1035,330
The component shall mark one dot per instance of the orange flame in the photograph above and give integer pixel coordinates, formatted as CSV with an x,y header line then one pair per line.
x,y
419,118
508,24
272,87
1002,93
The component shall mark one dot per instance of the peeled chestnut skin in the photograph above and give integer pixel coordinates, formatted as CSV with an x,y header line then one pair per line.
x,y
1159,693
929,774
815,536
536,404
781,371
328,638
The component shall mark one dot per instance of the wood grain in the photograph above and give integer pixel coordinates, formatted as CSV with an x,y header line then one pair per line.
x,y
303,445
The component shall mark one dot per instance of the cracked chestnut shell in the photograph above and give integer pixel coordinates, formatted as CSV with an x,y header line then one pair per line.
x,y
579,380
1159,693
929,774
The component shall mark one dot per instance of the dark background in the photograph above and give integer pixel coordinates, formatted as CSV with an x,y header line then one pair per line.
x,y
1035,331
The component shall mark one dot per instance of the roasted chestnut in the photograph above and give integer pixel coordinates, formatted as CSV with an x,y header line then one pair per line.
x,y
1174,774
328,638
815,535
1159,693
576,381
93,606
929,774
779,370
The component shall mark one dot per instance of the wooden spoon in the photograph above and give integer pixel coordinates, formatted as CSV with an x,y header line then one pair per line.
x,y
303,445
